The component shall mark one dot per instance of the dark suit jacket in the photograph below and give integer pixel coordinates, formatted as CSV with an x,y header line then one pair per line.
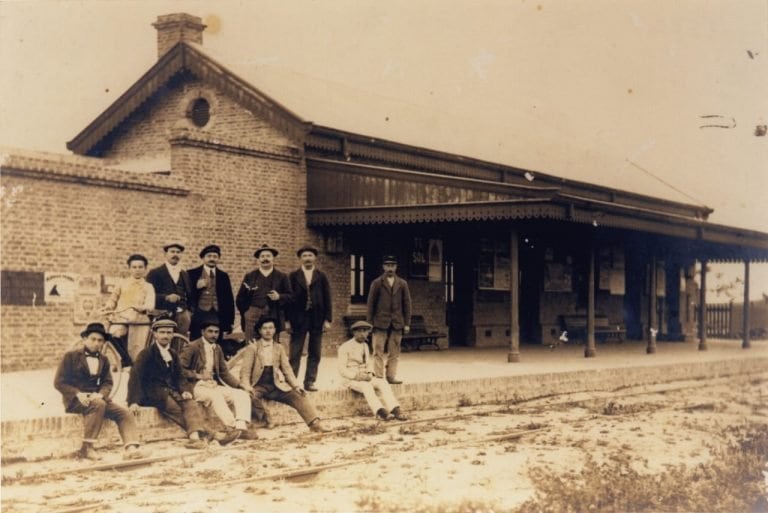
x,y
193,365
73,376
152,381
163,284
319,292
279,282
389,306
224,297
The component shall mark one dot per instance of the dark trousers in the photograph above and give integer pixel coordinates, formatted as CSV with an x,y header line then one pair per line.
x,y
186,413
314,350
100,409
266,389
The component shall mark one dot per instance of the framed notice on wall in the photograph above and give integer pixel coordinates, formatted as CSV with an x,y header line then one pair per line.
x,y
558,277
418,260
435,255
493,265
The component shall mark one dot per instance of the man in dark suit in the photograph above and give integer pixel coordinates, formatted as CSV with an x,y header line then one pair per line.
x,y
389,311
211,293
156,381
173,288
310,312
85,382
264,292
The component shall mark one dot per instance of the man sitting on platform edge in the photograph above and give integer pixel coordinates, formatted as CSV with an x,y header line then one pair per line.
x,y
85,382
356,368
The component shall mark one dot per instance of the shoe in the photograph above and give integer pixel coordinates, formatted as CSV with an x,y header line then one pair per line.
x,y
398,415
394,381
196,444
318,427
89,453
249,434
228,436
310,387
381,414
134,453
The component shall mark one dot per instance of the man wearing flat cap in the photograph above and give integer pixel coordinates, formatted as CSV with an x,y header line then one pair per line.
x,y
85,382
389,311
356,369
264,292
156,381
310,313
173,288
211,293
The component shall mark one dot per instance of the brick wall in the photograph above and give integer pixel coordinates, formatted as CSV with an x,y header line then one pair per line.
x,y
242,184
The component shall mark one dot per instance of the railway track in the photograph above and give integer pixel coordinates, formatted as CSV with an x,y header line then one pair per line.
x,y
361,446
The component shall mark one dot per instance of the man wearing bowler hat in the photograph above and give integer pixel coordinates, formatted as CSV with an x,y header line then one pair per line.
x,y
211,293
389,311
173,288
355,367
85,382
264,292
310,312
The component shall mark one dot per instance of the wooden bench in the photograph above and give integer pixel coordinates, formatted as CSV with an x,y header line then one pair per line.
x,y
576,327
420,334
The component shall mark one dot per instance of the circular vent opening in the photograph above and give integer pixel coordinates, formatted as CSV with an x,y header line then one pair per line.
x,y
200,112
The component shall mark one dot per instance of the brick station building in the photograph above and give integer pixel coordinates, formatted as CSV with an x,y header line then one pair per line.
x,y
493,257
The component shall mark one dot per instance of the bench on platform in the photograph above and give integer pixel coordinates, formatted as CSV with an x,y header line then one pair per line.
x,y
420,334
576,327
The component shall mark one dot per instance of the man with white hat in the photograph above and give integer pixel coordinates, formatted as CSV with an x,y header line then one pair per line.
x,y
356,368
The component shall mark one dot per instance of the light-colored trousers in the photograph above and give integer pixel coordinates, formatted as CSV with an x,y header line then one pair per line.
x,y
220,397
369,389
393,351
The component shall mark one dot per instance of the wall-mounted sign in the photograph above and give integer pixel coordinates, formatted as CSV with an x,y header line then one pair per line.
x,y
86,307
435,260
60,287
418,260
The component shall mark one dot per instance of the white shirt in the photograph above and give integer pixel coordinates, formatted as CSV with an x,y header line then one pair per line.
x,y
93,364
208,347
391,281
165,353
308,274
266,352
175,271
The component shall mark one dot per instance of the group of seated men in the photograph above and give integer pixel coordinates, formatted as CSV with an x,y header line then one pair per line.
x,y
179,385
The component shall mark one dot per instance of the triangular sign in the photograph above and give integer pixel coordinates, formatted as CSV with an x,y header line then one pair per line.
x,y
54,291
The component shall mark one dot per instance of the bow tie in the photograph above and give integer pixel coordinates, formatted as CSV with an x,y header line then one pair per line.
x,y
89,354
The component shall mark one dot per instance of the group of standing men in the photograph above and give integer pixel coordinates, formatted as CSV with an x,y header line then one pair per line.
x,y
200,301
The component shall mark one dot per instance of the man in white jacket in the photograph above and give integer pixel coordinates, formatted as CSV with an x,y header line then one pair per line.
x,y
356,367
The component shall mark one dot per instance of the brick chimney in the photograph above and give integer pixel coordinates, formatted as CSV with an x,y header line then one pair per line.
x,y
177,27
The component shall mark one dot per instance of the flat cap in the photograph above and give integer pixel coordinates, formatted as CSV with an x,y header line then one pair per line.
x,y
210,248
163,323
361,325
173,244
307,247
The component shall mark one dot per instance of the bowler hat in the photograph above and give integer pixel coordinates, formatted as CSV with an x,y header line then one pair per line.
x,y
173,244
263,320
95,327
309,248
389,259
361,325
210,248
265,247
164,323
209,320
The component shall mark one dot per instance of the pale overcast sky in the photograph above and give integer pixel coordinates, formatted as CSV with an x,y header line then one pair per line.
x,y
611,92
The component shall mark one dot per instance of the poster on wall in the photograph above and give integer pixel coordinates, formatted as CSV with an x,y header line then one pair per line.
x,y
604,277
418,260
485,270
501,275
86,308
617,284
60,287
435,260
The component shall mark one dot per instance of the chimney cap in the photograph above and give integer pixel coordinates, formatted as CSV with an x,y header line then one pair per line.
x,y
178,18
175,28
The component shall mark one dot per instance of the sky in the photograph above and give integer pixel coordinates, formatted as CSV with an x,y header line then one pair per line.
x,y
617,93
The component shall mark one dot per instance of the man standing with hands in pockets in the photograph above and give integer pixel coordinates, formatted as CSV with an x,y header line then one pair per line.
x,y
389,311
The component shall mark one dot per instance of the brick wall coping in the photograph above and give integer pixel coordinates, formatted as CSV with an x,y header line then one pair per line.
x,y
18,435
88,170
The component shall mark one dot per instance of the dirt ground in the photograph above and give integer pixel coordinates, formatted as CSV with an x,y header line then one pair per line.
x,y
444,460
